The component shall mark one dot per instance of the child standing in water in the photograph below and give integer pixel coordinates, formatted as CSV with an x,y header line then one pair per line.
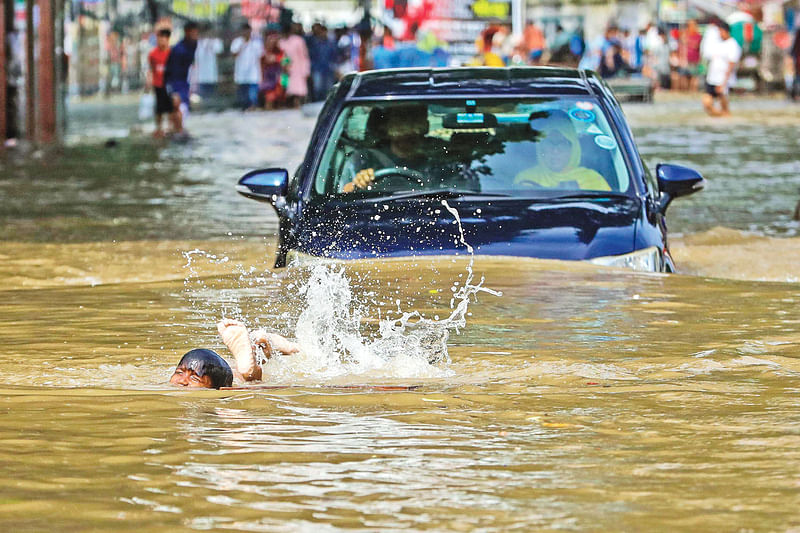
x,y
155,78
206,369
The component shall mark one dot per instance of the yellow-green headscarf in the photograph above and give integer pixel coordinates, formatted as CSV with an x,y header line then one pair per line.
x,y
542,176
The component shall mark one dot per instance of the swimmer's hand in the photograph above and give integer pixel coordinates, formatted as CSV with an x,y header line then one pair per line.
x,y
270,342
362,180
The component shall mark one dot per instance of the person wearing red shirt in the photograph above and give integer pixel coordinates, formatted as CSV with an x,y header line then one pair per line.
x,y
158,62
690,55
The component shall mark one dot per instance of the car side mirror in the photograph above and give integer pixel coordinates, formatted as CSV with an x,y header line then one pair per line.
x,y
675,181
264,185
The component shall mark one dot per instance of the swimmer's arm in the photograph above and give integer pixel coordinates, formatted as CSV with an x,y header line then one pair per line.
x,y
272,341
241,377
234,335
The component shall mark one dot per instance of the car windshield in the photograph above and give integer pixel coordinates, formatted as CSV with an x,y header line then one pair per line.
x,y
522,148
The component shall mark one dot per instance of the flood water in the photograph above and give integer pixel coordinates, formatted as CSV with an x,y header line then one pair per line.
x,y
574,397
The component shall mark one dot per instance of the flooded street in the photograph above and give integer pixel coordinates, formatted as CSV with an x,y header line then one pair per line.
x,y
576,398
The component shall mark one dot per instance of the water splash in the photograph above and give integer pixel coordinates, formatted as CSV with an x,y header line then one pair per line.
x,y
329,321
464,293
329,330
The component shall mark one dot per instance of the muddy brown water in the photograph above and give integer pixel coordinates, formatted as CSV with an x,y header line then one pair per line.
x,y
582,398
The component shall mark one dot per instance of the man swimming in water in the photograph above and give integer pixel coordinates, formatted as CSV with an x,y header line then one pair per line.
x,y
204,368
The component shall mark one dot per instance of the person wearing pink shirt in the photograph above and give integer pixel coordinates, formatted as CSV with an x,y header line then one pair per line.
x,y
294,46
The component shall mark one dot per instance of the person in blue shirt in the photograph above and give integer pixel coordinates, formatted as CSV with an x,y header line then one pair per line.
x,y
176,75
322,51
597,49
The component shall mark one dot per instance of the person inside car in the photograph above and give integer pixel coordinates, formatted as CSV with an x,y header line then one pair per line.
x,y
205,368
558,157
402,144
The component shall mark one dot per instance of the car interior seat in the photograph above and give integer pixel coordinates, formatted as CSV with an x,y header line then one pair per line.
x,y
375,132
598,159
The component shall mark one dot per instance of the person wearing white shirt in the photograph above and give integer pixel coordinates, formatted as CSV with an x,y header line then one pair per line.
x,y
247,68
205,63
723,57
651,37
710,38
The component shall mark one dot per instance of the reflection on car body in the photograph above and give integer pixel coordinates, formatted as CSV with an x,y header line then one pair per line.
x,y
539,162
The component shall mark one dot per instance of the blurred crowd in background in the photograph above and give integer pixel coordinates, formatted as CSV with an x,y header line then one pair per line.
x,y
284,65
258,53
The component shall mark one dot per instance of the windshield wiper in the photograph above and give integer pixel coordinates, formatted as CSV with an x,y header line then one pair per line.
x,y
443,193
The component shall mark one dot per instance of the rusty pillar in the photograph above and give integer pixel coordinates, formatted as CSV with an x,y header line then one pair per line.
x,y
3,77
46,125
30,80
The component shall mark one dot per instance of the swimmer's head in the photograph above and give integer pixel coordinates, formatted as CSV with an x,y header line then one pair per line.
x,y
202,368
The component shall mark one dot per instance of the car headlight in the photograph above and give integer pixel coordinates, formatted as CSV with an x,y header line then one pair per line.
x,y
646,260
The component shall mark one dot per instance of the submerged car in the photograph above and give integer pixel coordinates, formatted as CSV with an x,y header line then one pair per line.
x,y
537,162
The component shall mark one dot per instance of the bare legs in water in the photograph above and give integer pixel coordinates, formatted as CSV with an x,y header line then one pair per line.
x,y
243,345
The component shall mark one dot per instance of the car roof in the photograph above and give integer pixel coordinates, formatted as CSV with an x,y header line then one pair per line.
x,y
460,81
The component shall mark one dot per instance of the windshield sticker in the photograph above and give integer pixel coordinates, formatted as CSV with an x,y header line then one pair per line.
x,y
594,130
606,142
586,106
583,115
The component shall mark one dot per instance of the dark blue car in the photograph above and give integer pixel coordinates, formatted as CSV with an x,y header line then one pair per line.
x,y
538,162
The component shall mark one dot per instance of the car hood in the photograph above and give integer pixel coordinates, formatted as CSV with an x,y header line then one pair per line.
x,y
551,229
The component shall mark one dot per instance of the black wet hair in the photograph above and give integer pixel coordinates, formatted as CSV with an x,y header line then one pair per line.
x,y
207,362
164,32
189,26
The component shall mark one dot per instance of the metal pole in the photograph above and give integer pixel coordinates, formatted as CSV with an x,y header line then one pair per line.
x,y
3,77
517,17
47,72
61,67
30,82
